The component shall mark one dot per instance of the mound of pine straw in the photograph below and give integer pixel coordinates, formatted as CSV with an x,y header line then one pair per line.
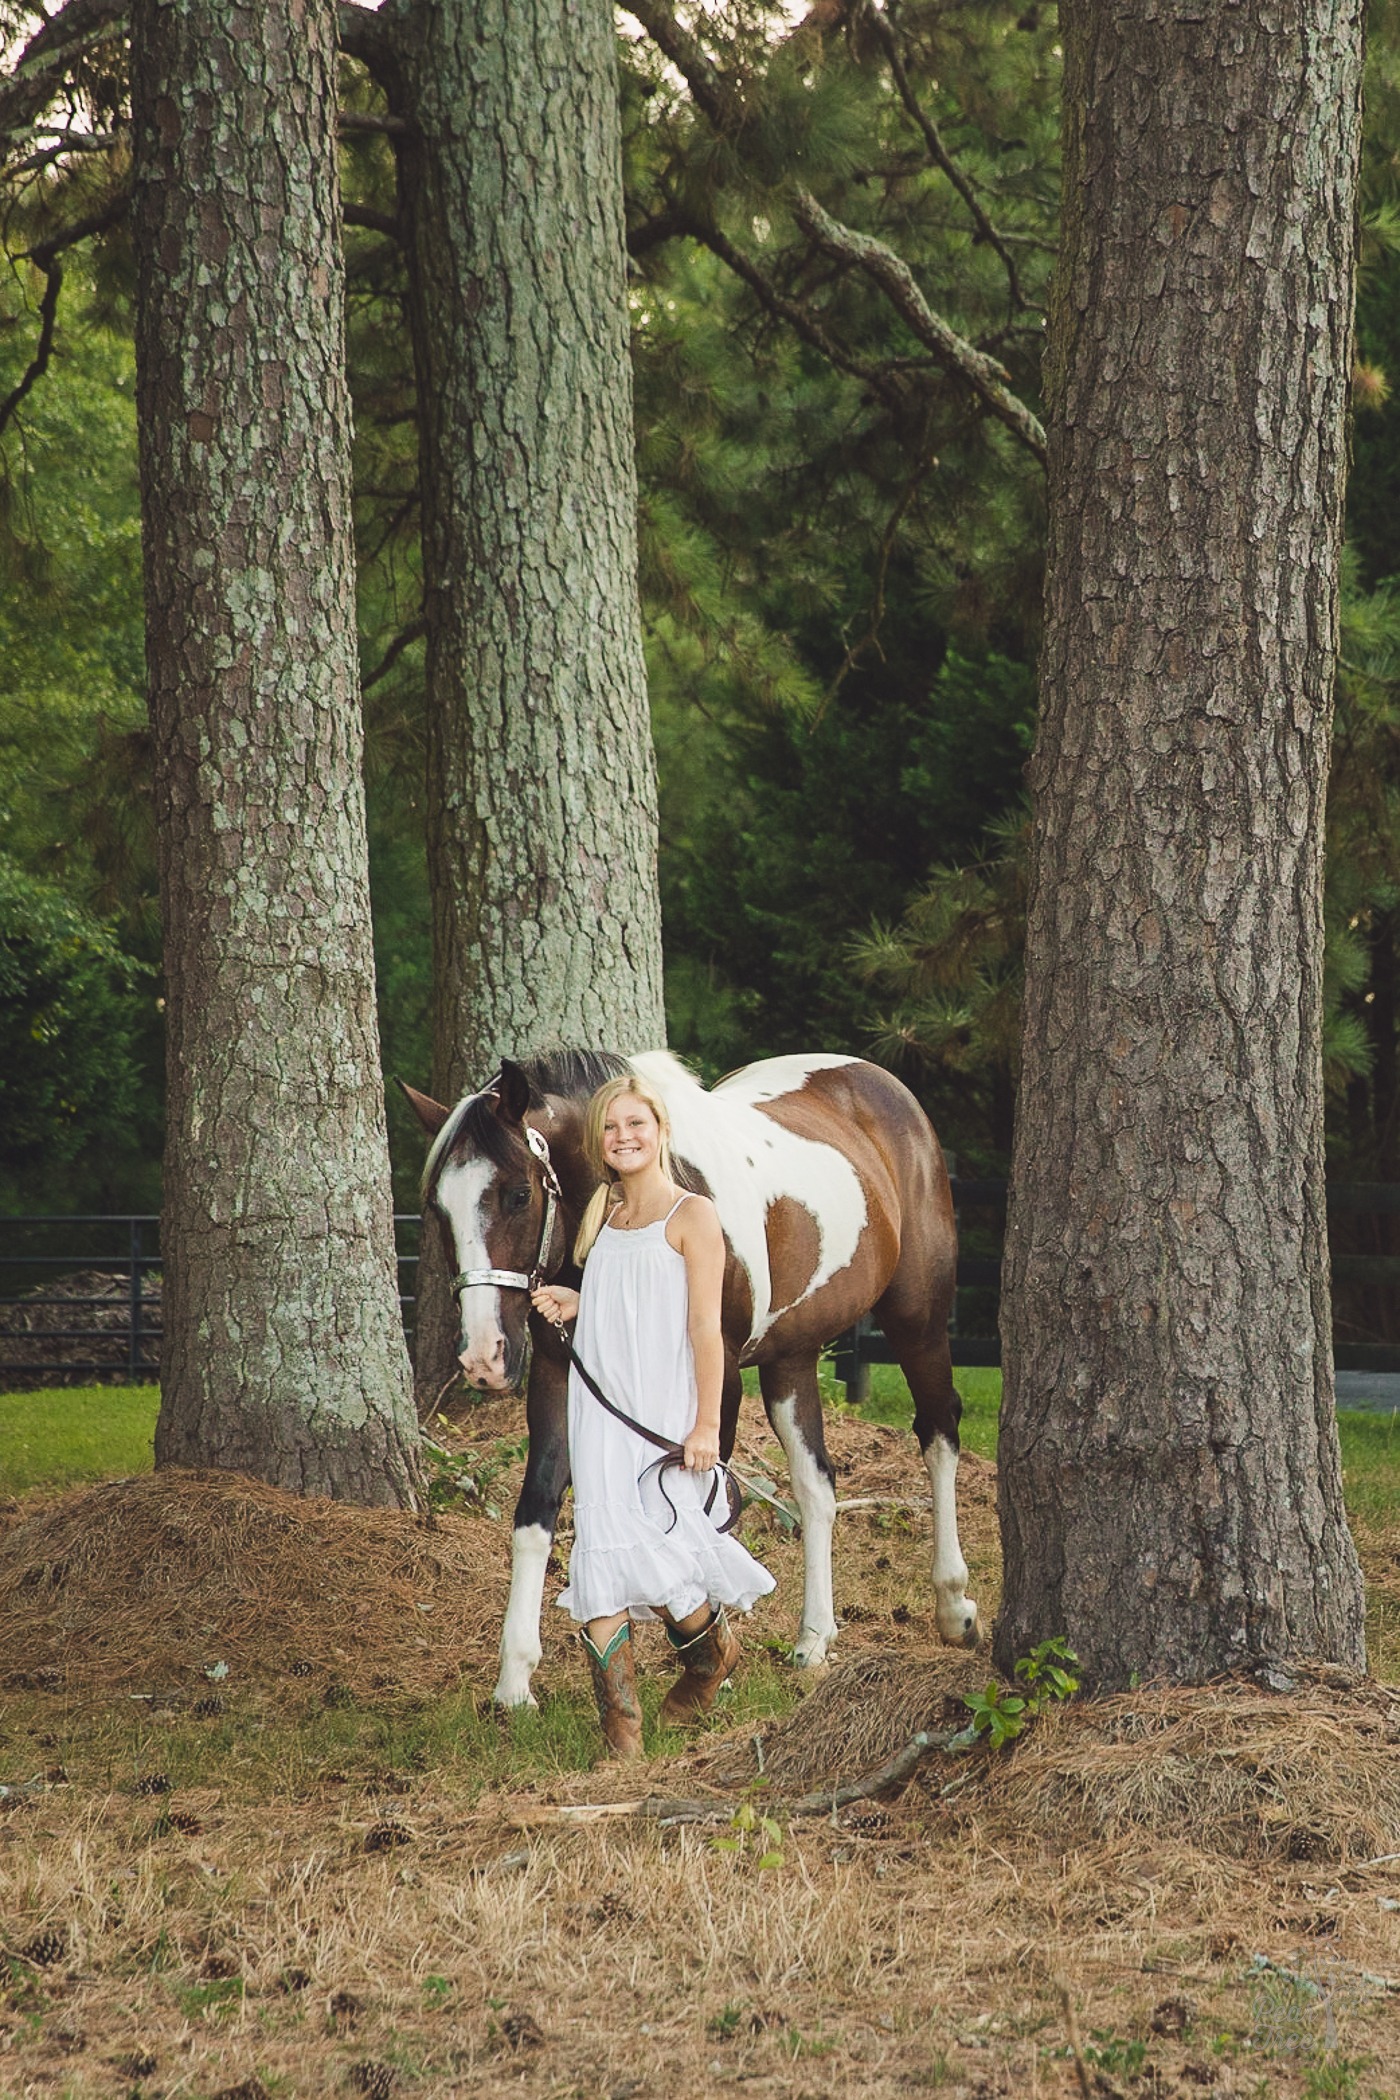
x,y
155,1580
1307,1774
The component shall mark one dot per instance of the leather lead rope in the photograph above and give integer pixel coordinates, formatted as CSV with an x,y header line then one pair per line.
x,y
674,1454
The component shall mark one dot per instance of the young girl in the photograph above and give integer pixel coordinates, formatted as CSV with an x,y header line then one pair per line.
x,y
649,1331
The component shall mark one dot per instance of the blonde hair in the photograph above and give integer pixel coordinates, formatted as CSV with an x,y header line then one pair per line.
x,y
594,1117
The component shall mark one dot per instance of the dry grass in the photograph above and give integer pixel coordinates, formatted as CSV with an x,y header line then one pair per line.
x,y
146,1581
283,1923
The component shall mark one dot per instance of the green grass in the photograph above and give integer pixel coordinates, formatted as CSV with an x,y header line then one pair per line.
x,y
1370,1463
61,1436
276,1743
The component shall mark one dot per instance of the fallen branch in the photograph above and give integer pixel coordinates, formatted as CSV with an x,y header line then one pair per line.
x,y
886,1502
896,1771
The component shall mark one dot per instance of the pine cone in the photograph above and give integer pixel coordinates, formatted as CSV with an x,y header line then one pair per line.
x,y
46,1947
375,2081
385,1836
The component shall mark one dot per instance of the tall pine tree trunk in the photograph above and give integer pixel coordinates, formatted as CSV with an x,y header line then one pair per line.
x,y
541,777
1170,1488
283,1353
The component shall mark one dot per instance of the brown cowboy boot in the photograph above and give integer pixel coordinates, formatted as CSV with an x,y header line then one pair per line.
x,y
709,1656
615,1689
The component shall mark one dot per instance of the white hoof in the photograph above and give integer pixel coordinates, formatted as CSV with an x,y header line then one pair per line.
x,y
812,1648
513,1687
957,1621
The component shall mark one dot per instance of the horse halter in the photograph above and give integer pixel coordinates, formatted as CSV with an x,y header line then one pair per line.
x,y
516,1279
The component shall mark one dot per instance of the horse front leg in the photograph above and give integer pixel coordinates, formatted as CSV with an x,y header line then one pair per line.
x,y
536,1514
793,1401
927,1364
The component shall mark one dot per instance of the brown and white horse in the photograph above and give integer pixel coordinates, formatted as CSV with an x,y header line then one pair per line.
x,y
834,1199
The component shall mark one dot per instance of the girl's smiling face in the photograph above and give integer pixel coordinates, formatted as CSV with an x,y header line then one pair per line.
x,y
631,1136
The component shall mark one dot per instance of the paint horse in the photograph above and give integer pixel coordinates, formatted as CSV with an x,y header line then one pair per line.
x,y
834,1199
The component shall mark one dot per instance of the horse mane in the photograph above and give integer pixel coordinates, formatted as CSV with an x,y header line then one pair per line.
x,y
574,1074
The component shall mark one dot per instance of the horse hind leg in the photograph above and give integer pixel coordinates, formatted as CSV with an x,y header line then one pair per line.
x,y
793,1402
928,1367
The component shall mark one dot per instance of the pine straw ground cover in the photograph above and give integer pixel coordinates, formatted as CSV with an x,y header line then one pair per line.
x,y
327,1868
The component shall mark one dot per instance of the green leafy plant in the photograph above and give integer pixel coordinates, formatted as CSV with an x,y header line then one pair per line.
x,y
467,1479
725,2025
1047,1675
752,1834
1115,2054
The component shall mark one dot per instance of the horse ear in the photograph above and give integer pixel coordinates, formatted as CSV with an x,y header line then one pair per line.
x,y
512,1093
431,1114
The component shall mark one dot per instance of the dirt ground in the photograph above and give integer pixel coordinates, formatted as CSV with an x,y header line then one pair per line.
x,y
1167,1893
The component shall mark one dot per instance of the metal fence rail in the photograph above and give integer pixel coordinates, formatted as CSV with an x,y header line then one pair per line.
x,y
107,1296
123,1300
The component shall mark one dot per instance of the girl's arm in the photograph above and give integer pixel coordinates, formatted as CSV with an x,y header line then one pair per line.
x,y
696,1234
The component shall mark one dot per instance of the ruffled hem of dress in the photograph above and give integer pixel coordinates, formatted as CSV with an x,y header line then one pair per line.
x,y
651,1582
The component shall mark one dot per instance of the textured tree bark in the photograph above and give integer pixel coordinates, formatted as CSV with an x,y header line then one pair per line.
x,y
1169,1481
541,777
283,1352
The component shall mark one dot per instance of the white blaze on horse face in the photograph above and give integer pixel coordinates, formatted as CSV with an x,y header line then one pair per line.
x,y
956,1612
816,1499
749,1162
520,1636
460,1195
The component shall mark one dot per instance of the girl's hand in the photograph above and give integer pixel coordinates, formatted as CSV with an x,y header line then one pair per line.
x,y
556,1302
701,1450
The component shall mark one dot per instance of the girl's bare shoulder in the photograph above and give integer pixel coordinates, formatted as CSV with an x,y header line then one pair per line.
x,y
694,1224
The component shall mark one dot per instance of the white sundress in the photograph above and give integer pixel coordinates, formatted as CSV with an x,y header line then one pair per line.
x,y
627,1554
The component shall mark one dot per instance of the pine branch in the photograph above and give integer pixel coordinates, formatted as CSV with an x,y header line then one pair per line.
x,y
939,154
99,221
871,638
712,92
38,364
79,27
984,375
895,1773
45,258
405,639
369,220
880,381
661,226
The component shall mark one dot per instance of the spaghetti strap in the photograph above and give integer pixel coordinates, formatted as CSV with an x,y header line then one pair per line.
x,y
683,1197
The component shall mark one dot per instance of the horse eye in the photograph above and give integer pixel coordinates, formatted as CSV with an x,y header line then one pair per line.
x,y
516,1199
